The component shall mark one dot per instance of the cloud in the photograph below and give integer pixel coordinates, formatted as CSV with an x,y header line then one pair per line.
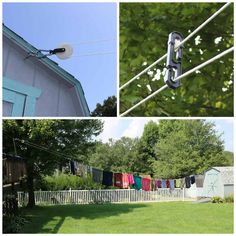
x,y
110,129
135,128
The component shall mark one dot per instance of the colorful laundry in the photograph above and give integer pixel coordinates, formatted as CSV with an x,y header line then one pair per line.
x,y
97,175
172,183
158,183
146,184
137,182
125,181
199,179
187,182
107,178
168,183
192,179
121,180
163,183
131,179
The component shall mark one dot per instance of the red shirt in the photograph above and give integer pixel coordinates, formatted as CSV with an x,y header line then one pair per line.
x,y
146,184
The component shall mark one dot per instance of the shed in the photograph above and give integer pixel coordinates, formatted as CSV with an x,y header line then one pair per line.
x,y
37,86
219,181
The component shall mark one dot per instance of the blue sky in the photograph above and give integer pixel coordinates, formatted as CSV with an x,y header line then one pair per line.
x,y
47,25
116,128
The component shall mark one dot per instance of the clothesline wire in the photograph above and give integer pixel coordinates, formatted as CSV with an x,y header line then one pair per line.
x,y
180,77
93,41
94,54
181,43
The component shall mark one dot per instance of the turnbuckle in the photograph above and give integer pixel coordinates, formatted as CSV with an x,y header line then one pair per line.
x,y
173,65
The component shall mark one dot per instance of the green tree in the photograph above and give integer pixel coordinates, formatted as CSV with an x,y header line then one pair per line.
x,y
108,108
229,158
117,156
189,147
45,144
146,147
144,29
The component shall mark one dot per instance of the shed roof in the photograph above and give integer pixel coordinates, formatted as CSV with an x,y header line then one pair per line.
x,y
18,40
227,174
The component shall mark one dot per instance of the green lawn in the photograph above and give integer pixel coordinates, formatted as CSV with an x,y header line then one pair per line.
x,y
172,217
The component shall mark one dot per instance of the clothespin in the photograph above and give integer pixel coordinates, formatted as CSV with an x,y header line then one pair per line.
x,y
173,65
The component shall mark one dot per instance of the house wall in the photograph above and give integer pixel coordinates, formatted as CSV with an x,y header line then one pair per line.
x,y
58,97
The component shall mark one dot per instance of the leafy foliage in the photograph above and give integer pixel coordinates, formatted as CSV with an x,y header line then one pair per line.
x,y
189,147
65,182
144,29
70,138
108,108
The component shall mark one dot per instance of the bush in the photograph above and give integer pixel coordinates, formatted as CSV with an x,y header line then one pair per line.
x,y
217,200
65,182
229,199
13,224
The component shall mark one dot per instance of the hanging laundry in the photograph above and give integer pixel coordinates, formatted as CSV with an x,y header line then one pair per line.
x,y
89,171
118,177
199,180
107,178
168,183
172,183
158,183
72,167
97,175
192,179
187,182
146,176
125,181
163,183
146,184
178,183
137,182
81,170
131,179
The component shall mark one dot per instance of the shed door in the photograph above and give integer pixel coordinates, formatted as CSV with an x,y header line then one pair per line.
x,y
213,185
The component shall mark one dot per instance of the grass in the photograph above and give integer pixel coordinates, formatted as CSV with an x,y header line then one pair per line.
x,y
172,217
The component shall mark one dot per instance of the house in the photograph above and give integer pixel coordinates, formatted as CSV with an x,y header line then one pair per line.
x,y
218,181
37,86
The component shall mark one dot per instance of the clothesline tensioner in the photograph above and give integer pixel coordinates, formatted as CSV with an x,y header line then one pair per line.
x,y
47,53
173,61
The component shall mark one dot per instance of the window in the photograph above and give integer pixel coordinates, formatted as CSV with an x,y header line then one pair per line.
x,y
19,99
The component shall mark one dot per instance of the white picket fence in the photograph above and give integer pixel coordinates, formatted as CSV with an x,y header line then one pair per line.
x,y
102,196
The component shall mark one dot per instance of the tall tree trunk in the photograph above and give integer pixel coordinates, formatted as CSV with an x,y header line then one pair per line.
x,y
30,184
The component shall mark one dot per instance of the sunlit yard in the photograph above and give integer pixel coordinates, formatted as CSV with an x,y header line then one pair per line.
x,y
172,217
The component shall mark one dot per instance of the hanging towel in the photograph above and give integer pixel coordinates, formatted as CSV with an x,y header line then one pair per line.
x,y
172,183
163,183
107,178
118,179
192,178
199,180
168,183
72,167
178,183
131,179
97,175
187,182
146,184
158,183
81,170
125,181
137,182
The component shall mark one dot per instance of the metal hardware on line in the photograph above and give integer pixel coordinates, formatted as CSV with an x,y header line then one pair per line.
x,y
49,53
173,64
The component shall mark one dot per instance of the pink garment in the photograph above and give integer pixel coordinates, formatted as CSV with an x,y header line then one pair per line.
x,y
125,181
131,179
158,183
146,184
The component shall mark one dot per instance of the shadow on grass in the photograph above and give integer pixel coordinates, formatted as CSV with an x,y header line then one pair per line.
x,y
49,219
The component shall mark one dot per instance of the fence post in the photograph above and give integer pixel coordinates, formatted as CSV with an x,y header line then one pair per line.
x,y
70,193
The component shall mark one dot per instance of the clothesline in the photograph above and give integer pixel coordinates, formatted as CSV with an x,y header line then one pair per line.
x,y
181,43
127,180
